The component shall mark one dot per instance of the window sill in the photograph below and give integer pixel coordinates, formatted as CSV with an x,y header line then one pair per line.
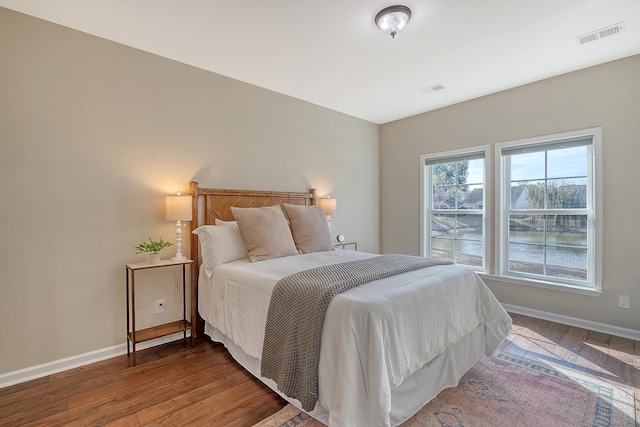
x,y
541,284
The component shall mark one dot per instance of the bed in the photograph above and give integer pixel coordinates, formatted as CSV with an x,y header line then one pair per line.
x,y
388,346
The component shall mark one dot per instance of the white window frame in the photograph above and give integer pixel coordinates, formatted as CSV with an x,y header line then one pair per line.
x,y
425,197
502,191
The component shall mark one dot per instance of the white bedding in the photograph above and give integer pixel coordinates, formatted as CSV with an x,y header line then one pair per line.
x,y
379,338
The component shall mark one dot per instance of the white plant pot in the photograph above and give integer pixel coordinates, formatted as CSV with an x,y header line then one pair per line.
x,y
154,258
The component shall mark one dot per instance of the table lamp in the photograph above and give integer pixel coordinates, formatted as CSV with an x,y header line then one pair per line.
x,y
328,205
178,208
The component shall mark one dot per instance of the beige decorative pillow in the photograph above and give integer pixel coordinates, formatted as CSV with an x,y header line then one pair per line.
x,y
265,232
309,228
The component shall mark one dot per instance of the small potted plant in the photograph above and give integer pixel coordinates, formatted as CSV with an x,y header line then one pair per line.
x,y
153,247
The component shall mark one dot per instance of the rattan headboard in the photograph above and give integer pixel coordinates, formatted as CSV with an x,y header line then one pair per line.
x,y
209,204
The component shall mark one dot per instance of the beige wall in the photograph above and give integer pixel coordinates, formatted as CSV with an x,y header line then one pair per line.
x,y
607,95
92,136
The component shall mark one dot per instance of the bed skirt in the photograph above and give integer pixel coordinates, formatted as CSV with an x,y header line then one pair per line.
x,y
444,371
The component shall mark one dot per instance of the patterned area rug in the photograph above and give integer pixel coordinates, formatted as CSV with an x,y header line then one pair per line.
x,y
507,390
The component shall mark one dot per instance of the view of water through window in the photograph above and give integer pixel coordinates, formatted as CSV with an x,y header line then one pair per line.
x,y
553,179
457,205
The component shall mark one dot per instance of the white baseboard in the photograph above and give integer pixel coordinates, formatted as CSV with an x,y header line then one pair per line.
x,y
38,371
573,321
49,368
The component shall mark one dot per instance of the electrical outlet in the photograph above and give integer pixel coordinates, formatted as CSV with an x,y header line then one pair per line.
x,y
624,301
160,306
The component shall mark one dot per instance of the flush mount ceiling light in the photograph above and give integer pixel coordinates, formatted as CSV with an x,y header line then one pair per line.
x,y
391,20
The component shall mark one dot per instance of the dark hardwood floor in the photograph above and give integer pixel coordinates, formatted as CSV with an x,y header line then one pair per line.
x,y
175,384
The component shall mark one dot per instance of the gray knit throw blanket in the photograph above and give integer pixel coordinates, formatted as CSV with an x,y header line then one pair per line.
x,y
291,347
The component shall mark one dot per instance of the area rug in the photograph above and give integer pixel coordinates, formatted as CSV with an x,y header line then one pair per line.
x,y
505,391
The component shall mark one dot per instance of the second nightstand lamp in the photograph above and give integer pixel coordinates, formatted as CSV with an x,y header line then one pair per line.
x,y
328,206
178,208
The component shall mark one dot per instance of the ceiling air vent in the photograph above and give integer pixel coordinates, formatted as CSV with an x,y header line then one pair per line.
x,y
599,34
431,89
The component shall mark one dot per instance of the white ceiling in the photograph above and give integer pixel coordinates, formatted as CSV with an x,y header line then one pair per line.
x,y
330,53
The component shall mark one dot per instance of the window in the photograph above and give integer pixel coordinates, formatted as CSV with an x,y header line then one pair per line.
x,y
547,209
454,207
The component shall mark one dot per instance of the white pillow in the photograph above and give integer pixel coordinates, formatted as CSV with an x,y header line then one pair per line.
x,y
219,245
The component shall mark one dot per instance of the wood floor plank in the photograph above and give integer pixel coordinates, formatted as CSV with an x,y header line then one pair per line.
x,y
555,332
177,385
568,348
22,415
21,387
620,358
592,357
532,341
536,327
152,413
520,321
214,410
598,338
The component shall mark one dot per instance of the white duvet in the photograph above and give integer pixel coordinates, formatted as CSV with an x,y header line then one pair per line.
x,y
375,335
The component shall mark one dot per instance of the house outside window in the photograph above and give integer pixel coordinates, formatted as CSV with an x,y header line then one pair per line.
x,y
548,207
453,213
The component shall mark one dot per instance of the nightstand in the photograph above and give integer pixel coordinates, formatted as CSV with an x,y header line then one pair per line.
x,y
134,337
344,245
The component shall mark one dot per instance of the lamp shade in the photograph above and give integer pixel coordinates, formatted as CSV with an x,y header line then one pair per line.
x,y
328,205
177,208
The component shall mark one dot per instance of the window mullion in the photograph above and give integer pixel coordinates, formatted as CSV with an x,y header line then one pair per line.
x,y
568,211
